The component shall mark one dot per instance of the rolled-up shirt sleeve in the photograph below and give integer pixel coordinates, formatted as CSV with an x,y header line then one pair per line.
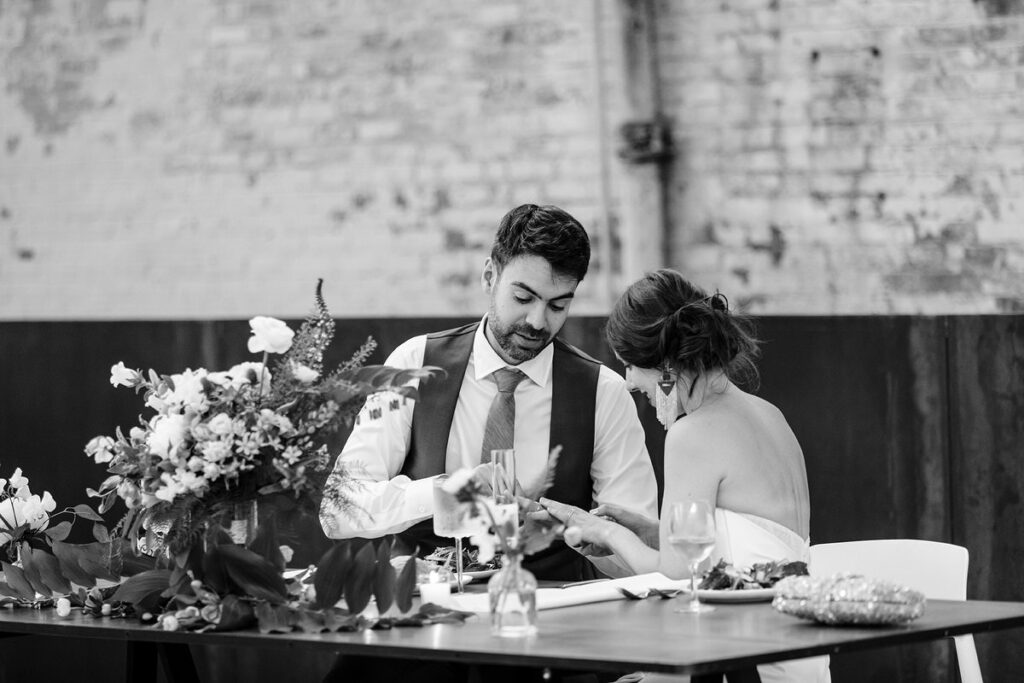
x,y
365,495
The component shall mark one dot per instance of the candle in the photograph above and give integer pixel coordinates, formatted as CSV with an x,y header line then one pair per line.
x,y
437,591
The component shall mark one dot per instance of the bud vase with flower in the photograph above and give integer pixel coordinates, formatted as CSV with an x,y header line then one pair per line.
x,y
512,590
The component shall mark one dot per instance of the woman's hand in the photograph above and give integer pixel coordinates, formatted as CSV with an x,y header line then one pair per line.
x,y
641,525
585,533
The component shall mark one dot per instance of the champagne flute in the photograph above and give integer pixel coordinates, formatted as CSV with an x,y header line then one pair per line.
x,y
691,531
503,486
450,521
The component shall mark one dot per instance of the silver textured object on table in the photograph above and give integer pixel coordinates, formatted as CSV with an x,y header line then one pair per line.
x,y
848,599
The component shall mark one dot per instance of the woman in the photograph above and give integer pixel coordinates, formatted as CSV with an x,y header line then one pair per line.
x,y
687,353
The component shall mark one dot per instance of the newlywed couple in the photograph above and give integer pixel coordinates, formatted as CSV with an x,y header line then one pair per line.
x,y
681,347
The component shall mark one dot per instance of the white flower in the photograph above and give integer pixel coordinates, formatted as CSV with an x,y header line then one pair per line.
x,y
457,480
120,376
304,374
221,424
63,607
188,391
169,622
101,448
17,480
167,433
270,335
250,373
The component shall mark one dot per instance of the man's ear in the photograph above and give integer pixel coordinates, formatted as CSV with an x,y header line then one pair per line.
x,y
489,276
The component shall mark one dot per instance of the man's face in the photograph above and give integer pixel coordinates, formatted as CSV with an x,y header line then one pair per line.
x,y
529,304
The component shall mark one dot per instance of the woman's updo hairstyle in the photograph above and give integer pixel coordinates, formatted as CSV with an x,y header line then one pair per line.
x,y
663,321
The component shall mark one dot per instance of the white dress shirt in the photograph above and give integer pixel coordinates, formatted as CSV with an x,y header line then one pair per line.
x,y
375,452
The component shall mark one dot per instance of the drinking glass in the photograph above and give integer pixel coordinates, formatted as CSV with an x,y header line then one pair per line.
x,y
450,521
691,531
503,486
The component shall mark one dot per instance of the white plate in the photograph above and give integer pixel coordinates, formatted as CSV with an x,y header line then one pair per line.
x,y
746,595
481,574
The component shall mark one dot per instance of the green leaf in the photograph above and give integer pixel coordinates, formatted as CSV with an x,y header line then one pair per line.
x,y
255,576
275,618
100,533
266,544
18,583
49,571
235,614
69,566
86,512
384,581
136,588
405,585
58,532
359,582
215,572
94,558
31,573
331,572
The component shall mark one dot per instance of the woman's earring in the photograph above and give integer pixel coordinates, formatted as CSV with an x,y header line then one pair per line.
x,y
666,401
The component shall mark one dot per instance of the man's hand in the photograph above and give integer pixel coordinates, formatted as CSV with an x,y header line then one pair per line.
x,y
585,533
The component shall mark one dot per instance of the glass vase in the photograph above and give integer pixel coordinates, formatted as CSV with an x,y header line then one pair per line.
x,y
243,522
513,599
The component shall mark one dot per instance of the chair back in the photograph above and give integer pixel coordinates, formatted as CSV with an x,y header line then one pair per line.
x,y
939,570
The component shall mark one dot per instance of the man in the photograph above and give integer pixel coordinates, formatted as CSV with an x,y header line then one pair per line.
x,y
539,257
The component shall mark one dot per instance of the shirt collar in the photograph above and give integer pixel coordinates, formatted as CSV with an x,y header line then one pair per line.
x,y
486,360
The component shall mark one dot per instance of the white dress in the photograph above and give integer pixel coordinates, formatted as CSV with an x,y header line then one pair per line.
x,y
745,539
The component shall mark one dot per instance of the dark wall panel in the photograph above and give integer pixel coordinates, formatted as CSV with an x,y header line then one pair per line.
x,y
911,427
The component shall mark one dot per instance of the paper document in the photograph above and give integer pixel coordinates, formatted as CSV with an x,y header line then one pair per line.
x,y
602,591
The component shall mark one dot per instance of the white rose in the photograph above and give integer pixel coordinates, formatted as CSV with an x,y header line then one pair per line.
x,y
220,424
120,376
270,335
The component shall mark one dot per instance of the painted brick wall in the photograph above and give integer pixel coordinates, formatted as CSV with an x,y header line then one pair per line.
x,y
205,159
211,159
849,156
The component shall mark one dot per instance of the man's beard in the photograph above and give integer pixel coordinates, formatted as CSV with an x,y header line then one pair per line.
x,y
504,337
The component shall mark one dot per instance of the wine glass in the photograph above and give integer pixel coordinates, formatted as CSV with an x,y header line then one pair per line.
x,y
450,521
691,531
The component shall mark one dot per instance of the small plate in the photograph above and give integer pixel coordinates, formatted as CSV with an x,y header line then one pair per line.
x,y
480,574
745,595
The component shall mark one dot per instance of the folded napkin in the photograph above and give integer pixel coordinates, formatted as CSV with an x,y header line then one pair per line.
x,y
600,591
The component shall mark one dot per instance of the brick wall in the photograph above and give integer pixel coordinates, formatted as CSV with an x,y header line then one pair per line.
x,y
849,156
212,159
204,159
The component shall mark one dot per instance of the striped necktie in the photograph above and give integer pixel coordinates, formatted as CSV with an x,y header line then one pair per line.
x,y
501,418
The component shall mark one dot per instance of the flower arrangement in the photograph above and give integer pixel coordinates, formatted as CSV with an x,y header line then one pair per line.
x,y
227,437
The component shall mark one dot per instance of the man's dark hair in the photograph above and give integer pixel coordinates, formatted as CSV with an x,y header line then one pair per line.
x,y
545,231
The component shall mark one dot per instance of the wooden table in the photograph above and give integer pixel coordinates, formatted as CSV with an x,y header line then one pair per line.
x,y
617,636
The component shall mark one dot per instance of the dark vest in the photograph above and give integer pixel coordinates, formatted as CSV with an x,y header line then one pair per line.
x,y
574,396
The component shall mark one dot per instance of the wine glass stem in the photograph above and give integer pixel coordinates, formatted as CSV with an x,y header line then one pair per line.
x,y
694,601
458,562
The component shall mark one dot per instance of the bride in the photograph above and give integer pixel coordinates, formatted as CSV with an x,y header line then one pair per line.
x,y
688,353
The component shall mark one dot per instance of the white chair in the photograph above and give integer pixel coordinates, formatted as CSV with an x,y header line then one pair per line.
x,y
939,570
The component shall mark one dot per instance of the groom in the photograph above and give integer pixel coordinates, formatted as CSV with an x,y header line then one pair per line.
x,y
562,398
